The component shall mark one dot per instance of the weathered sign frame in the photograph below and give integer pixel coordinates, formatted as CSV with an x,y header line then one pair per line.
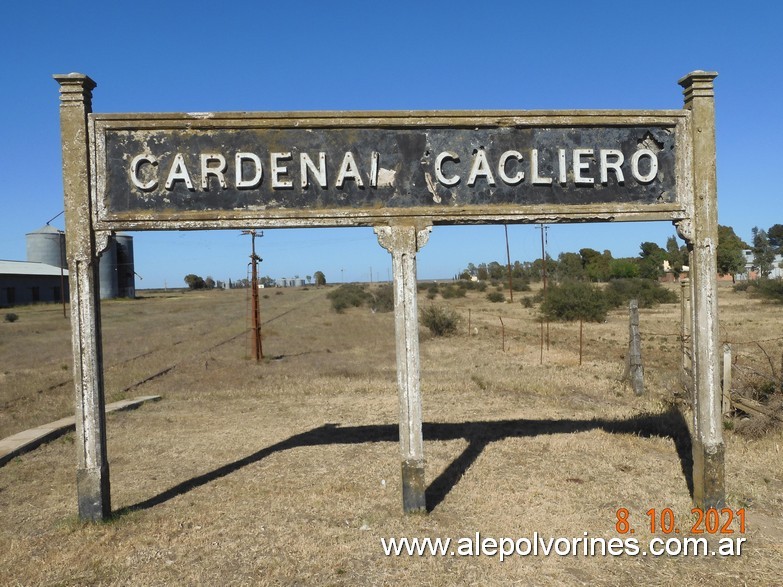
x,y
109,186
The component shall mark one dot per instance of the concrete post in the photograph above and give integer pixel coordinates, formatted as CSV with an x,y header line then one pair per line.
x,y
92,473
403,242
635,366
708,446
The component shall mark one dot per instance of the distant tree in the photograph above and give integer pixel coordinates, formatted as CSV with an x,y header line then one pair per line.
x,y
775,235
596,264
482,272
651,260
569,266
309,277
676,255
209,283
763,253
266,281
536,271
320,278
195,281
731,259
623,268
496,270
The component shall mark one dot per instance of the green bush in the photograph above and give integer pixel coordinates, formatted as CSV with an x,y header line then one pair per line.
x,y
348,295
575,300
770,289
520,284
383,298
11,317
451,291
442,321
496,296
648,292
527,302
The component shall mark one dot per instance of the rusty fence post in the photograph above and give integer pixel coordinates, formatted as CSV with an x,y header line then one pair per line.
x,y
92,470
403,242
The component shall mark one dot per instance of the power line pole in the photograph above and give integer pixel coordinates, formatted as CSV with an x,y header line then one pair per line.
x,y
258,352
543,227
508,259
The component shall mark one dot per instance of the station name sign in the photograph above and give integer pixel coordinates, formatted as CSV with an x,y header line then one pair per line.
x,y
338,168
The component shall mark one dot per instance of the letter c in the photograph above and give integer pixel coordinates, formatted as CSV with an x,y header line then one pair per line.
x,y
447,181
134,172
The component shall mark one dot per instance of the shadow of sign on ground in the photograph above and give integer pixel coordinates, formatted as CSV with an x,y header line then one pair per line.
x,y
479,435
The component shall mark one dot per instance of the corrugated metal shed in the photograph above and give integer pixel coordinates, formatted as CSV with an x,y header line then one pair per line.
x,y
28,268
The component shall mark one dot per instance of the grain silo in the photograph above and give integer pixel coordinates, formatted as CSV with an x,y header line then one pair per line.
x,y
115,266
126,273
107,271
46,245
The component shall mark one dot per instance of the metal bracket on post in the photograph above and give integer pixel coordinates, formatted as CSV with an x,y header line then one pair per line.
x,y
708,447
403,242
83,249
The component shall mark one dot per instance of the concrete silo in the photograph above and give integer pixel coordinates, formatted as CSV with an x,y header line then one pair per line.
x,y
126,272
107,271
116,268
46,245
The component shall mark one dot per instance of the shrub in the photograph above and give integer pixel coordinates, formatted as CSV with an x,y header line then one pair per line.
x,y
771,289
527,302
575,300
481,286
451,291
383,298
520,284
348,295
648,292
496,296
442,321
11,317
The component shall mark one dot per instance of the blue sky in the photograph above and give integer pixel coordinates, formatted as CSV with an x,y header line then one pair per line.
x,y
235,56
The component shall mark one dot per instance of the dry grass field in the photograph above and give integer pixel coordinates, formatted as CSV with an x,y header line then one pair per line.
x,y
287,472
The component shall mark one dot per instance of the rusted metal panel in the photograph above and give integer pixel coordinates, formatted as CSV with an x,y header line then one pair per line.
x,y
361,169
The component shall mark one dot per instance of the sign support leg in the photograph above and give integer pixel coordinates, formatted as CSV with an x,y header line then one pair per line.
x,y
403,242
92,473
708,446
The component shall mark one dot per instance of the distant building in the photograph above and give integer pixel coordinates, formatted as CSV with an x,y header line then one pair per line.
x,y
752,272
24,282
38,278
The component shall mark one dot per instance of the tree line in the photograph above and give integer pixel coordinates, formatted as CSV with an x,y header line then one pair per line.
x,y
194,281
590,265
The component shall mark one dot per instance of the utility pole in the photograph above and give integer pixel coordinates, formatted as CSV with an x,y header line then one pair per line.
x,y
508,259
258,352
543,227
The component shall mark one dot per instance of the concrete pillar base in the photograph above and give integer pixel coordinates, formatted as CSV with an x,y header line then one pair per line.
x,y
413,489
94,493
708,476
